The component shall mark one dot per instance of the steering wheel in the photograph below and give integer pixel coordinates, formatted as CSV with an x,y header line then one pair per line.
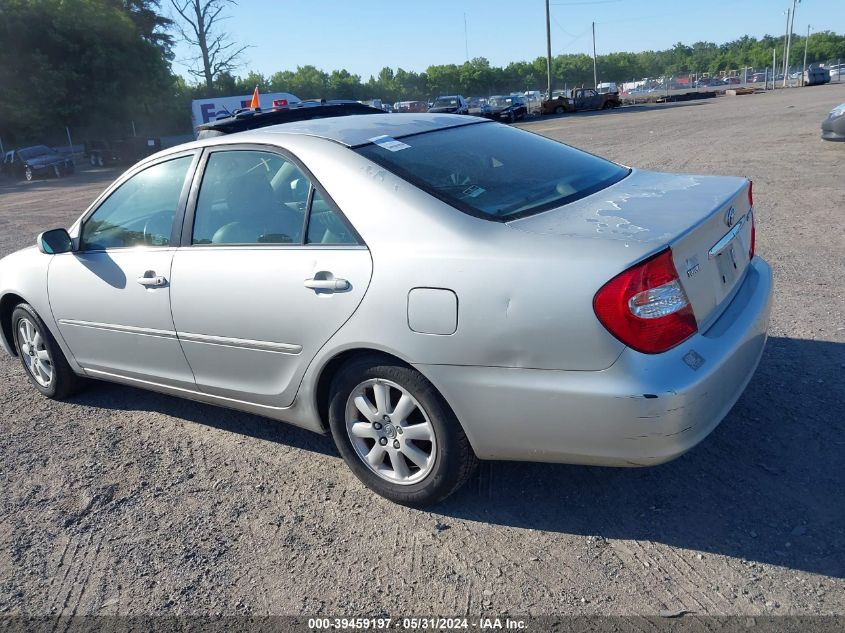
x,y
157,229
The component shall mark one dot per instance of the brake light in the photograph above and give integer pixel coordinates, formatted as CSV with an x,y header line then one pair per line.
x,y
645,307
750,194
753,236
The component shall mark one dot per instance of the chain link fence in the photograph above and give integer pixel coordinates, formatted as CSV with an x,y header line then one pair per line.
x,y
696,85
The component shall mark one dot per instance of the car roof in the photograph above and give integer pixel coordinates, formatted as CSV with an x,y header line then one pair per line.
x,y
357,130
247,119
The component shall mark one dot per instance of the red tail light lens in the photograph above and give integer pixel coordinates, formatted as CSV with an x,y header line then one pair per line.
x,y
751,194
753,236
645,307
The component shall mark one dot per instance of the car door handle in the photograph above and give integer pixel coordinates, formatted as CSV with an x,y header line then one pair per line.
x,y
331,285
151,280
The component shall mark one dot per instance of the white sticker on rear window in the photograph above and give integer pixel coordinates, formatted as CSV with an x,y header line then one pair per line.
x,y
389,143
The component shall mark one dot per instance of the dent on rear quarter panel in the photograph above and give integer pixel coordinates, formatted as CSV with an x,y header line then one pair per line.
x,y
524,300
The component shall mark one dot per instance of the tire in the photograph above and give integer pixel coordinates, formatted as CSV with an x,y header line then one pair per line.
x,y
440,465
100,161
28,173
93,160
42,358
559,110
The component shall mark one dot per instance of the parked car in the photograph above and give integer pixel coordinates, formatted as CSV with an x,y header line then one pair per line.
x,y
816,76
411,106
833,127
509,109
116,152
453,104
581,99
734,80
559,103
469,302
38,161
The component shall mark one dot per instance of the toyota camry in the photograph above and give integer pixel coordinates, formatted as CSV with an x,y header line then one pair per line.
x,y
429,289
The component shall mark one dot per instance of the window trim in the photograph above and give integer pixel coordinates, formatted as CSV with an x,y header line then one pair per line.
x,y
187,229
176,227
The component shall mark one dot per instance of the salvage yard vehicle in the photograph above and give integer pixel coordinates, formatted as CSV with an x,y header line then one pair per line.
x,y
38,161
128,150
429,289
509,109
579,99
833,127
453,104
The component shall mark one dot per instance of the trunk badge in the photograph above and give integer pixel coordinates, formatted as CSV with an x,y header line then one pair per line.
x,y
692,266
729,217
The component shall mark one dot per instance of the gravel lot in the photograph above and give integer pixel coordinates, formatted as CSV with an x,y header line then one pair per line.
x,y
126,502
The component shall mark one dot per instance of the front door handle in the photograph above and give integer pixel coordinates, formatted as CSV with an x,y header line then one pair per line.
x,y
331,285
151,280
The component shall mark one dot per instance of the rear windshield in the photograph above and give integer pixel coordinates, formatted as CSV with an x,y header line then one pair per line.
x,y
494,171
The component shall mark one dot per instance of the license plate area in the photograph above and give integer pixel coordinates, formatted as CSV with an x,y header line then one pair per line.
x,y
728,266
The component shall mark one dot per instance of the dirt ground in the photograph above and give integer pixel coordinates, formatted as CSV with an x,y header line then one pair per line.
x,y
126,502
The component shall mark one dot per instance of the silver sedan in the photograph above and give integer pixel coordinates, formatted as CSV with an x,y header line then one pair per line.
x,y
429,289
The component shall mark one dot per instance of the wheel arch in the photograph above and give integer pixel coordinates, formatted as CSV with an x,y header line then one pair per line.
x,y
330,368
7,305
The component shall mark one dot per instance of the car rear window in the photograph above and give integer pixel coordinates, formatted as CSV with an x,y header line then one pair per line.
x,y
494,171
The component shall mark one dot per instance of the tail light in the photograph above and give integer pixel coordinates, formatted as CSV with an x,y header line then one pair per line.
x,y
753,236
645,307
751,217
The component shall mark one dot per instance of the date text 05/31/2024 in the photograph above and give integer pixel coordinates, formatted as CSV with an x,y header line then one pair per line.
x,y
414,624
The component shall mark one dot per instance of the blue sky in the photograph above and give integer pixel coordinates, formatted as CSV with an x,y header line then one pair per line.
x,y
365,35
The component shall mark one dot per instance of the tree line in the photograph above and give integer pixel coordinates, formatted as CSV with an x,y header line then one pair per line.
x,y
104,67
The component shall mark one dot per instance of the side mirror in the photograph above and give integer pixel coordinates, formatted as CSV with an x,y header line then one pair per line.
x,y
55,242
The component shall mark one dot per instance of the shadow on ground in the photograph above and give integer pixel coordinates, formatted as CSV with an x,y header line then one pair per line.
x,y
768,485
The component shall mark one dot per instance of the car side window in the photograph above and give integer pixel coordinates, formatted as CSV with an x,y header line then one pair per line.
x,y
326,225
251,197
140,212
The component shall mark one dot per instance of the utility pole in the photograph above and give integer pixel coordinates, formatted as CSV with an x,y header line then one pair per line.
x,y
785,33
806,44
789,41
595,74
548,52
774,67
466,39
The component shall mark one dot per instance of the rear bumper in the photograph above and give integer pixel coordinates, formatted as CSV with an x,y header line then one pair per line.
x,y
643,410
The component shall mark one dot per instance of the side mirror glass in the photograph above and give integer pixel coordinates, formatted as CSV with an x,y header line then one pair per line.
x,y
55,242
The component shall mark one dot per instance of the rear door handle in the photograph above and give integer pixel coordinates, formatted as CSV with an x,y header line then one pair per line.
x,y
151,280
331,285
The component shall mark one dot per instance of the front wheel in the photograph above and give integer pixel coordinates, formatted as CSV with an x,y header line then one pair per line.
x,y
28,173
41,357
559,110
397,434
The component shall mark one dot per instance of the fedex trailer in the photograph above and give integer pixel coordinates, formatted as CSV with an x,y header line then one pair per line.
x,y
205,110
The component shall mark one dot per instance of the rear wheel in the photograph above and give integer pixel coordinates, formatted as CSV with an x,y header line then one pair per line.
x,y
28,173
559,110
41,357
397,434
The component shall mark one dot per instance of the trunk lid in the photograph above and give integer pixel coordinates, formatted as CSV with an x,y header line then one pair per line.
x,y
704,219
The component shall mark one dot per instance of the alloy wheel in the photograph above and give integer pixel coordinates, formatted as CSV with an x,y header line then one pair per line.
x,y
34,352
390,431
